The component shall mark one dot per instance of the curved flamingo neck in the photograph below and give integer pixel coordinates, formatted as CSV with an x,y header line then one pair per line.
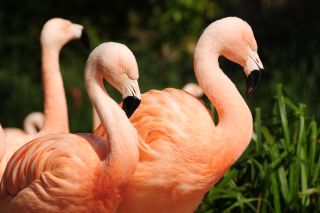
x,y
33,123
55,106
235,119
122,146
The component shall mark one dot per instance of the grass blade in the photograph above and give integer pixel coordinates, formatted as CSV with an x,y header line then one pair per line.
x,y
283,115
312,150
275,192
257,128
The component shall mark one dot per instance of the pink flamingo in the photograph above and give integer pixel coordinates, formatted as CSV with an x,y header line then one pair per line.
x,y
193,89
33,122
31,125
182,152
84,172
55,34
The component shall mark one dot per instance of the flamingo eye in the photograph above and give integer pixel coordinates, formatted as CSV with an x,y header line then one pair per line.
x,y
124,70
67,25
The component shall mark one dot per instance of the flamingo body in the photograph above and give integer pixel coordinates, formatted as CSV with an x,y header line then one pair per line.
x,y
12,133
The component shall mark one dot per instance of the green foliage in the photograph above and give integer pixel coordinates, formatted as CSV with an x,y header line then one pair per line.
x,y
162,35
279,172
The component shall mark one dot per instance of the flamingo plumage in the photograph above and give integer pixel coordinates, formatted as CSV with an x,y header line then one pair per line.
x,y
83,172
183,153
55,34
192,88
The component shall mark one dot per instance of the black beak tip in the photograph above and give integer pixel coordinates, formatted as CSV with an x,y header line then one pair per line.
x,y
85,39
250,91
253,81
130,104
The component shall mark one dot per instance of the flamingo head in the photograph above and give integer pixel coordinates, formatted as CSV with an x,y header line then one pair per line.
x,y
119,67
57,32
239,45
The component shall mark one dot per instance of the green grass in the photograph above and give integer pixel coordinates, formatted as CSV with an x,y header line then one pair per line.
x,y
279,172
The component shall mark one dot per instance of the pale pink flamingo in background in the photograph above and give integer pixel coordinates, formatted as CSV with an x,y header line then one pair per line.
x,y
192,88
33,123
182,152
83,172
55,34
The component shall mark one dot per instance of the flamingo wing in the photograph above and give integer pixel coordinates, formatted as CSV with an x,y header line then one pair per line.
x,y
54,172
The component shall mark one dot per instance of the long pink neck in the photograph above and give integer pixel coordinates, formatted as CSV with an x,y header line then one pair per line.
x,y
235,119
122,146
55,106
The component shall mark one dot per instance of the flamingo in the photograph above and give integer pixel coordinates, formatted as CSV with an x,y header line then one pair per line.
x,y
193,89
31,125
82,172
182,152
55,34
33,122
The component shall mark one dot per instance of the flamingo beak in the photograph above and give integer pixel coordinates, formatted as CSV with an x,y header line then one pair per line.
x,y
131,97
254,70
130,104
253,81
85,39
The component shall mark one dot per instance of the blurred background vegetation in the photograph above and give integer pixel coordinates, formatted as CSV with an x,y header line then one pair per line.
x,y
162,35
